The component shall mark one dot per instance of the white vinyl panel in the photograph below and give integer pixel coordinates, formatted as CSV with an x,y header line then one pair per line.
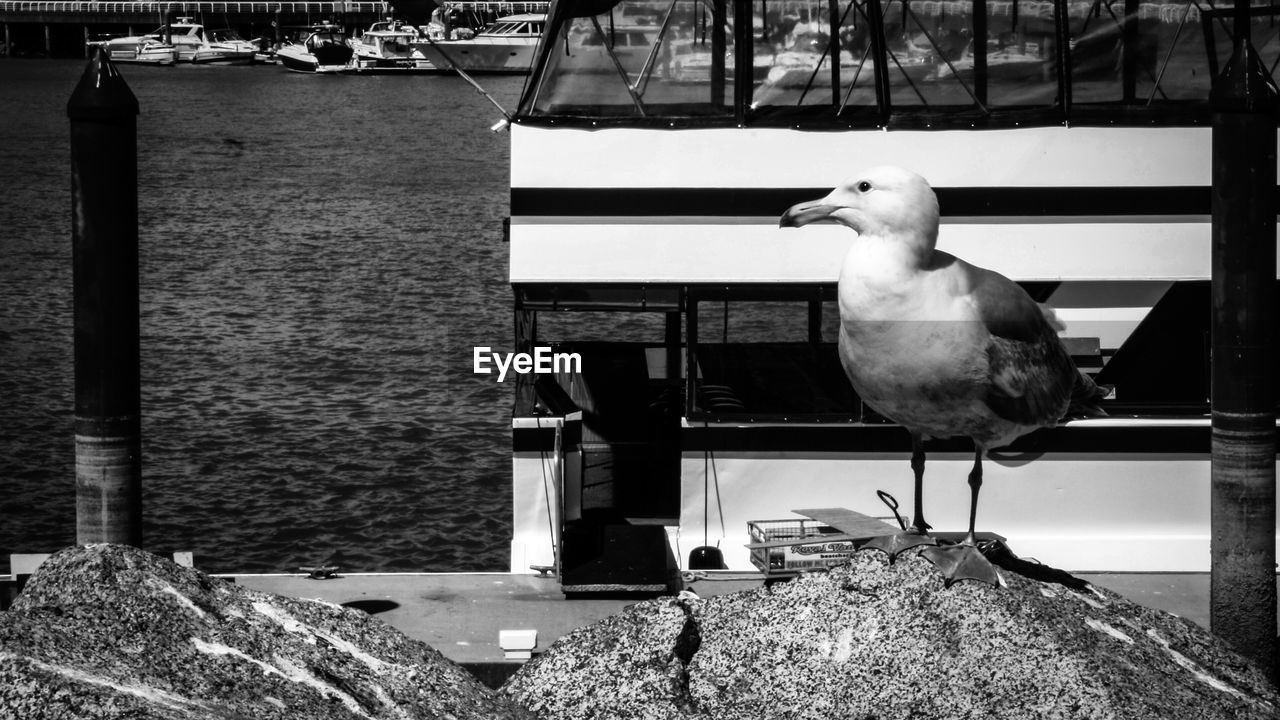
x,y
547,252
1109,513
764,158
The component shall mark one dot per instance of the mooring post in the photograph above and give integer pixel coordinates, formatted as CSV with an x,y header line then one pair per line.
x,y
1243,453
104,215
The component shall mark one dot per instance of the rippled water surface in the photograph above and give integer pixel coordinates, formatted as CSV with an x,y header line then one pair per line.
x,y
319,256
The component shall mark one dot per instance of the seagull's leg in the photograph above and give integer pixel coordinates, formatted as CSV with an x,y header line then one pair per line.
x,y
964,561
975,484
919,532
918,525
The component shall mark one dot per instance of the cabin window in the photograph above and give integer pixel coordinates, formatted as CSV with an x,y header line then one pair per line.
x,y
937,55
639,60
767,354
926,63
1157,55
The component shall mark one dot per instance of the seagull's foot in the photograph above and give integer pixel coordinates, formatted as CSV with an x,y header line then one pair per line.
x,y
895,545
962,562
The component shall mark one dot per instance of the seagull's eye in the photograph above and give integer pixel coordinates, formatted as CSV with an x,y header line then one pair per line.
x,y
864,186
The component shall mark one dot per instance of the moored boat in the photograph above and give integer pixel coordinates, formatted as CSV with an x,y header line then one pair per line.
x,y
140,50
185,41
324,49
388,47
221,46
651,199
505,47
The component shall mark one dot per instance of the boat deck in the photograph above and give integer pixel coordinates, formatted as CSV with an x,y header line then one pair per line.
x,y
461,614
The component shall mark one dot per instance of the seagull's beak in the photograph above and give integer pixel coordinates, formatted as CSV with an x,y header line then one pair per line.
x,y
807,212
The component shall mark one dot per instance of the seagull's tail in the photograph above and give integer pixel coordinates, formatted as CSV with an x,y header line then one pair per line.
x,y
1085,393
1085,396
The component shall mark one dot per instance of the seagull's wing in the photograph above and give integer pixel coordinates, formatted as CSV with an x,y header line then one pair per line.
x,y
1030,373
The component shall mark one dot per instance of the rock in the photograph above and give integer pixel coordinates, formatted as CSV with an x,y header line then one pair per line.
x,y
873,640
110,631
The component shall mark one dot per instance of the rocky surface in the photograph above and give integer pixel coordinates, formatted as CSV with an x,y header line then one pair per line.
x,y
873,640
108,631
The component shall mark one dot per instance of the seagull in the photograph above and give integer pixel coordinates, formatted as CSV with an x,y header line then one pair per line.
x,y
937,345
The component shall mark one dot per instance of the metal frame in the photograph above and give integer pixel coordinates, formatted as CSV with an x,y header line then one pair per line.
x,y
1133,110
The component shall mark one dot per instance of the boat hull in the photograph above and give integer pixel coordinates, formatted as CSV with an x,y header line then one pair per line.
x,y
480,58
395,66
142,58
223,57
324,63
138,53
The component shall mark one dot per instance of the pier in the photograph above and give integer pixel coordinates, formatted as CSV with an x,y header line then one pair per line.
x,y
49,28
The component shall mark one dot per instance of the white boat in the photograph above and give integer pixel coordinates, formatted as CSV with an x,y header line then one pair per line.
x,y
388,47
140,50
221,46
654,205
323,49
505,47
188,42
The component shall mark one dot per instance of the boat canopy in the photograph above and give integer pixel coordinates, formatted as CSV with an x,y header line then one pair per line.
x,y
884,63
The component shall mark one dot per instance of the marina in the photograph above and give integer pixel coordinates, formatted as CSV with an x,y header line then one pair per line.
x,y
46,28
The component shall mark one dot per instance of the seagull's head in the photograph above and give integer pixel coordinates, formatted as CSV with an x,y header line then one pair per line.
x,y
887,202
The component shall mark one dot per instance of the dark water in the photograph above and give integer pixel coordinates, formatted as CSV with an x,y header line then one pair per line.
x,y
318,257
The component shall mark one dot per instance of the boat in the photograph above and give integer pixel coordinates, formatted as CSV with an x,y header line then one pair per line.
x,y
1023,63
220,46
320,49
139,50
612,49
691,388
505,47
187,41
387,47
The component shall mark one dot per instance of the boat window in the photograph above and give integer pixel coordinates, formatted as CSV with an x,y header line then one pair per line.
x,y
785,344
1164,55
938,56
923,63
676,61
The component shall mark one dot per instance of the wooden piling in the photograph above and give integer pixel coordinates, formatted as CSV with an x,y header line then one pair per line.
x,y
104,199
1243,453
